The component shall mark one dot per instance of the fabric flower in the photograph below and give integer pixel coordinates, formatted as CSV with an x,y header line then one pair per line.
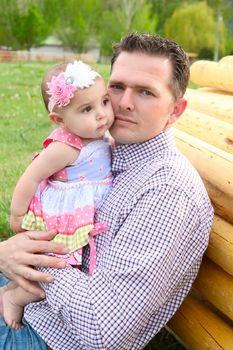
x,y
60,92
77,75
81,74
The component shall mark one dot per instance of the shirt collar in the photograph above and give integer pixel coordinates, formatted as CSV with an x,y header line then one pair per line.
x,y
126,156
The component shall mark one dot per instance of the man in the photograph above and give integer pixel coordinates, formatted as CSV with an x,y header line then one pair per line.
x,y
158,212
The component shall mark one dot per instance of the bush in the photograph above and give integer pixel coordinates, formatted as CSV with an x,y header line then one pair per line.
x,y
229,47
206,54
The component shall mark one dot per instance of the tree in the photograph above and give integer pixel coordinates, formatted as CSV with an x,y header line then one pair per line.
x,y
142,22
222,11
22,24
224,6
121,17
128,10
193,27
76,22
164,9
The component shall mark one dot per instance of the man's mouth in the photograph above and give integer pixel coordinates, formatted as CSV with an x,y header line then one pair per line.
x,y
124,119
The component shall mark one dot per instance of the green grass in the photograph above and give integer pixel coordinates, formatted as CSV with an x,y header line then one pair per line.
x,y
23,125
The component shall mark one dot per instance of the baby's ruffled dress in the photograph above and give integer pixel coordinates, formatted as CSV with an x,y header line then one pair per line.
x,y
67,200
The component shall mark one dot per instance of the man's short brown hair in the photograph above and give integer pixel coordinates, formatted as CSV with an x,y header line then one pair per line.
x,y
155,45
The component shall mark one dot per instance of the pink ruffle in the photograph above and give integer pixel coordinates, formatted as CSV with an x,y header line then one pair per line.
x,y
66,223
74,257
35,207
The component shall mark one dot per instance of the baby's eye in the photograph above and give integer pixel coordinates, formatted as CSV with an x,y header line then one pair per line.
x,y
115,86
87,109
105,101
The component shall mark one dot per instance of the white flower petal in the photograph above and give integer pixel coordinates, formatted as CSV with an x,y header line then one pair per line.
x,y
82,74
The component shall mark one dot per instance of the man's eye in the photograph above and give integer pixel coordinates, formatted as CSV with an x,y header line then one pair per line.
x,y
86,109
147,93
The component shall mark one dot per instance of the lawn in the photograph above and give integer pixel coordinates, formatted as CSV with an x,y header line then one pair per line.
x,y
23,125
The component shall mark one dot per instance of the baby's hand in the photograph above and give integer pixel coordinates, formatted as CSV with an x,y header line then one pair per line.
x,y
16,223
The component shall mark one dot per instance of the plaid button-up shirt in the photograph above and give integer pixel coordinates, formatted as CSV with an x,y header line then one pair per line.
x,y
159,217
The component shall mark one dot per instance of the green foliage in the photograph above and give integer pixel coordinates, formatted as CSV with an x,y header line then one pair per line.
x,y
222,6
193,27
229,47
79,24
111,33
23,124
143,22
6,35
162,9
206,54
76,21
29,29
121,17
22,27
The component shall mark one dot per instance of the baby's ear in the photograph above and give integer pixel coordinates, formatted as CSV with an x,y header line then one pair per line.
x,y
56,118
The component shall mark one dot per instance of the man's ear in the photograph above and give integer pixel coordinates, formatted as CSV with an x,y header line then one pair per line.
x,y
178,109
56,118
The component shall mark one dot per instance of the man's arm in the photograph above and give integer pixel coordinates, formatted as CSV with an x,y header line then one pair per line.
x,y
156,252
24,251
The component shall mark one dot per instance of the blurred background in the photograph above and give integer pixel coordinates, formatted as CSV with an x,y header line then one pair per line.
x,y
36,33
32,29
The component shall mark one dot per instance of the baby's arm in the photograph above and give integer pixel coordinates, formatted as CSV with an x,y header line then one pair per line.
x,y
52,159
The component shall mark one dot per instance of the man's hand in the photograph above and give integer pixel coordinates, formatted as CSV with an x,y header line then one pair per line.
x,y
21,253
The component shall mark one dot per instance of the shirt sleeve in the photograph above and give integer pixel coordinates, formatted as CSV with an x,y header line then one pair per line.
x,y
154,249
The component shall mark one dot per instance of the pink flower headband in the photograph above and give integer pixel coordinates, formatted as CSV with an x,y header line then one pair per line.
x,y
77,75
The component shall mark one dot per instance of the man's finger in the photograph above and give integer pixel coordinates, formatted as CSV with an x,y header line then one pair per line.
x,y
36,242
30,287
40,243
40,260
46,247
31,274
41,235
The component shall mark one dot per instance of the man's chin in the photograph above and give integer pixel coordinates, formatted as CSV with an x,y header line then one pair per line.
x,y
117,136
122,136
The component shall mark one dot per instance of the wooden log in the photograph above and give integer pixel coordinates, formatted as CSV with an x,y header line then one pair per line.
x,y
199,328
227,60
215,286
211,102
220,248
207,128
215,91
215,167
212,74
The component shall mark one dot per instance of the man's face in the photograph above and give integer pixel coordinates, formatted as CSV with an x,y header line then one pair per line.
x,y
143,104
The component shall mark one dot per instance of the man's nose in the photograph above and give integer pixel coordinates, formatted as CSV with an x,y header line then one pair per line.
x,y
126,101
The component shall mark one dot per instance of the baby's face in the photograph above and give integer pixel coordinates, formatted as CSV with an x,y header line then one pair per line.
x,y
89,113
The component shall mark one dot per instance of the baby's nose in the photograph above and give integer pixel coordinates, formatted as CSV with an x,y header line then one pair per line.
x,y
100,116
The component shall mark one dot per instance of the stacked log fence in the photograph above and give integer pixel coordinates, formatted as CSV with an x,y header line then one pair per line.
x,y
204,134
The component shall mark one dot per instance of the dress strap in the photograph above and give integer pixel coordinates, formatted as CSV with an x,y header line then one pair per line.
x,y
65,136
98,228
